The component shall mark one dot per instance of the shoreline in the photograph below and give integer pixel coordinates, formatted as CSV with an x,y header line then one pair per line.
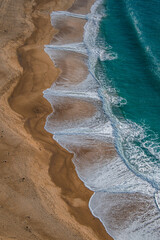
x,y
119,195
39,203
64,95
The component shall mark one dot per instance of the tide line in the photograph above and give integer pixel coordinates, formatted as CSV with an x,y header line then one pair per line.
x,y
78,94
69,14
73,47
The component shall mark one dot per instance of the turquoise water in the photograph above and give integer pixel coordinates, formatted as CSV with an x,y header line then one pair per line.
x,y
131,31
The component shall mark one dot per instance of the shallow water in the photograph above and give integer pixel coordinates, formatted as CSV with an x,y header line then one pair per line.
x,y
106,109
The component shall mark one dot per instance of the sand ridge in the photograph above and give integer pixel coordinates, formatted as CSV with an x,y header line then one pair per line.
x,y
31,205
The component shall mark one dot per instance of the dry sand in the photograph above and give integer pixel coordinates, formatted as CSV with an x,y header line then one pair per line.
x,y
41,196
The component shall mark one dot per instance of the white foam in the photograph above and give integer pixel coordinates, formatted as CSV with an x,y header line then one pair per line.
x,y
127,216
78,95
89,85
127,136
99,167
68,14
157,199
73,47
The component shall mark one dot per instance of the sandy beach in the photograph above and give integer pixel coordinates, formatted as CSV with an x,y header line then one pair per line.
x,y
41,196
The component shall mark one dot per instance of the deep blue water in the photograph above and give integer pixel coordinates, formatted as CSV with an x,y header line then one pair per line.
x,y
131,30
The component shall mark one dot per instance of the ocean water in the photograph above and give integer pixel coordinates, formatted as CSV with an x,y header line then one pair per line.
x,y
131,29
106,109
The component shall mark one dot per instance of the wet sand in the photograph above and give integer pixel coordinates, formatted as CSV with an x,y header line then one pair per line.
x,y
41,195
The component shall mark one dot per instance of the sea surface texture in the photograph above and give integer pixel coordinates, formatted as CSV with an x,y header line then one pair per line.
x,y
106,108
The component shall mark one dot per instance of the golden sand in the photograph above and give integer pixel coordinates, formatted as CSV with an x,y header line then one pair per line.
x,y
41,196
